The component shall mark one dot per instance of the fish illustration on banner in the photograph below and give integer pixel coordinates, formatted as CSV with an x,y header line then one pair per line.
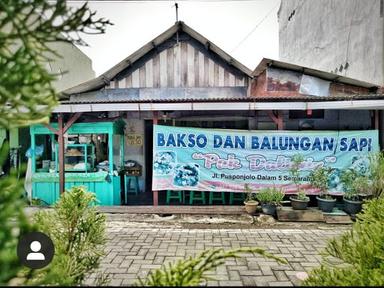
x,y
225,160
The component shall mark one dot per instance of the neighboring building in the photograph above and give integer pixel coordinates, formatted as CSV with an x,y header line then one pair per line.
x,y
345,37
184,82
73,67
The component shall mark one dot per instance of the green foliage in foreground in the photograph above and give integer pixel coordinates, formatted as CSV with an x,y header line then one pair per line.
x,y
26,29
78,233
13,222
357,257
191,271
26,92
376,171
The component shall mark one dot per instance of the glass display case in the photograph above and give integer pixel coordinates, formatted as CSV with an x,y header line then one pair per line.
x,y
79,160
77,157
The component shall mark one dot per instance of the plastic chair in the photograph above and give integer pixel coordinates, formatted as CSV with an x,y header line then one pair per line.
x,y
196,196
234,196
216,196
134,188
174,195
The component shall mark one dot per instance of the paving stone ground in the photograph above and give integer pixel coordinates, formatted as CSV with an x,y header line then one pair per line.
x,y
134,250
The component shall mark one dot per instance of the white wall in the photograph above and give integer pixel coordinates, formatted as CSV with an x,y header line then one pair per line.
x,y
136,153
329,33
74,66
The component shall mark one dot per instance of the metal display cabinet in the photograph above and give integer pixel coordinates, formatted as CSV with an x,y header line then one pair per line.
x,y
105,184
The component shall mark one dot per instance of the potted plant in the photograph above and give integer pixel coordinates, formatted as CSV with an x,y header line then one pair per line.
x,y
319,179
300,200
355,187
270,198
250,200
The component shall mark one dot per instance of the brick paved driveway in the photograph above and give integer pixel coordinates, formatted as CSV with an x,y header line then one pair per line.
x,y
133,250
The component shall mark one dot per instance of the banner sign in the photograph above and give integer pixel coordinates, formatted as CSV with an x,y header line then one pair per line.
x,y
224,160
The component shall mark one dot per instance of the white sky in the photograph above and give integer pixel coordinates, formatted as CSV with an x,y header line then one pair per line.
x,y
225,23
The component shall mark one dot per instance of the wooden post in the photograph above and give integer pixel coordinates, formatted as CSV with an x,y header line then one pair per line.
x,y
155,193
61,154
61,130
278,120
280,124
377,119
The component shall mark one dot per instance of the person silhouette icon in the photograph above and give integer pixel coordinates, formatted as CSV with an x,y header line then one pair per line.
x,y
35,250
35,255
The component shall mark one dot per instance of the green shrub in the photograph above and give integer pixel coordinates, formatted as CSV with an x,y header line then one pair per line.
x,y
294,170
12,220
357,257
191,271
354,184
78,233
27,94
302,196
270,195
376,174
38,202
319,179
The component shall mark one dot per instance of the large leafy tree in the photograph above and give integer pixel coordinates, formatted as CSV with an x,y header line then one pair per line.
x,y
27,27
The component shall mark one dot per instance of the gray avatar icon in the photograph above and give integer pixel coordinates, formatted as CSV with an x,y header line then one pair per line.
x,y
35,250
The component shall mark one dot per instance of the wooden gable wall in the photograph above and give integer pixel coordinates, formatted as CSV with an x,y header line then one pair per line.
x,y
187,63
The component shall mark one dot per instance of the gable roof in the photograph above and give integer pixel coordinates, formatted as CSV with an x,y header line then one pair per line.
x,y
106,77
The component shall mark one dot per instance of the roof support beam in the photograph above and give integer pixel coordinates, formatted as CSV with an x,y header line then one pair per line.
x,y
221,106
53,130
277,118
71,121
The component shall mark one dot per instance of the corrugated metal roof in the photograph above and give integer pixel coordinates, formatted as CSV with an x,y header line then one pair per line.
x,y
266,62
310,98
170,99
186,100
130,95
